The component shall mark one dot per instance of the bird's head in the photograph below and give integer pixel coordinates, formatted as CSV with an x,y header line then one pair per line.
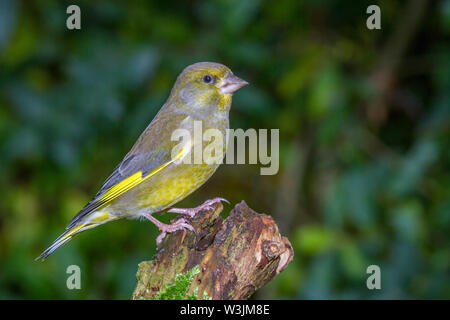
x,y
206,83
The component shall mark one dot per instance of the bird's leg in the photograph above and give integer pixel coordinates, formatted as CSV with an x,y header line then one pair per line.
x,y
180,224
191,212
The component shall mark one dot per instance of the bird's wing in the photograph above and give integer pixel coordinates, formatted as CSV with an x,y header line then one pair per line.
x,y
134,169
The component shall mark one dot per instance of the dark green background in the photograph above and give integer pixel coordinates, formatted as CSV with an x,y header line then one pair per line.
x,y
364,136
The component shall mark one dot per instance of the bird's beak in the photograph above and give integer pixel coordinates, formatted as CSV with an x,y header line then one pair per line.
x,y
231,83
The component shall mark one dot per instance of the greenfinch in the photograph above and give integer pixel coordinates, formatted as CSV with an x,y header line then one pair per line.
x,y
151,177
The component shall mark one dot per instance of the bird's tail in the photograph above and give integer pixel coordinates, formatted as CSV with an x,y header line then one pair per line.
x,y
89,222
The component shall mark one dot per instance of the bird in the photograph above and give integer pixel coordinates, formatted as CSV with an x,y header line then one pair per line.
x,y
154,175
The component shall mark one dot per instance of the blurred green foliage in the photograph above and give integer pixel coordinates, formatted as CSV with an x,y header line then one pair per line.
x,y
364,136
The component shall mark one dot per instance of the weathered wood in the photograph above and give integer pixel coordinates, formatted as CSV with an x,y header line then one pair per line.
x,y
237,255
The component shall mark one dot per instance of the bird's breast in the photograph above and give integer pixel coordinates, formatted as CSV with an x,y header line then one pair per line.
x,y
164,189
180,178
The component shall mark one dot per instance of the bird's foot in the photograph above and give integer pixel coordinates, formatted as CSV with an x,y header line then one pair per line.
x,y
191,212
180,224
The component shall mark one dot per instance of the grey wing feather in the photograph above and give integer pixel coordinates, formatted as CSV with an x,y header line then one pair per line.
x,y
132,163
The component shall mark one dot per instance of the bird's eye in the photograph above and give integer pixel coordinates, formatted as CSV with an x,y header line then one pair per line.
x,y
208,79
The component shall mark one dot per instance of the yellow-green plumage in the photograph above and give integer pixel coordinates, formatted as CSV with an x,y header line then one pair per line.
x,y
150,179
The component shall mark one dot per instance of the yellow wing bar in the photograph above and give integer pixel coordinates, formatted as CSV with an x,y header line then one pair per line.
x,y
121,187
132,181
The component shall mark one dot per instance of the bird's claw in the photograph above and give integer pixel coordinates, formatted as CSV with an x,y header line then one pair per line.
x,y
180,224
191,212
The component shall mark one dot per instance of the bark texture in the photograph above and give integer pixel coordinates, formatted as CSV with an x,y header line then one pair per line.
x,y
236,256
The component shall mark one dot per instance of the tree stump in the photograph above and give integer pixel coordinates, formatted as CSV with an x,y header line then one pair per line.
x,y
236,256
